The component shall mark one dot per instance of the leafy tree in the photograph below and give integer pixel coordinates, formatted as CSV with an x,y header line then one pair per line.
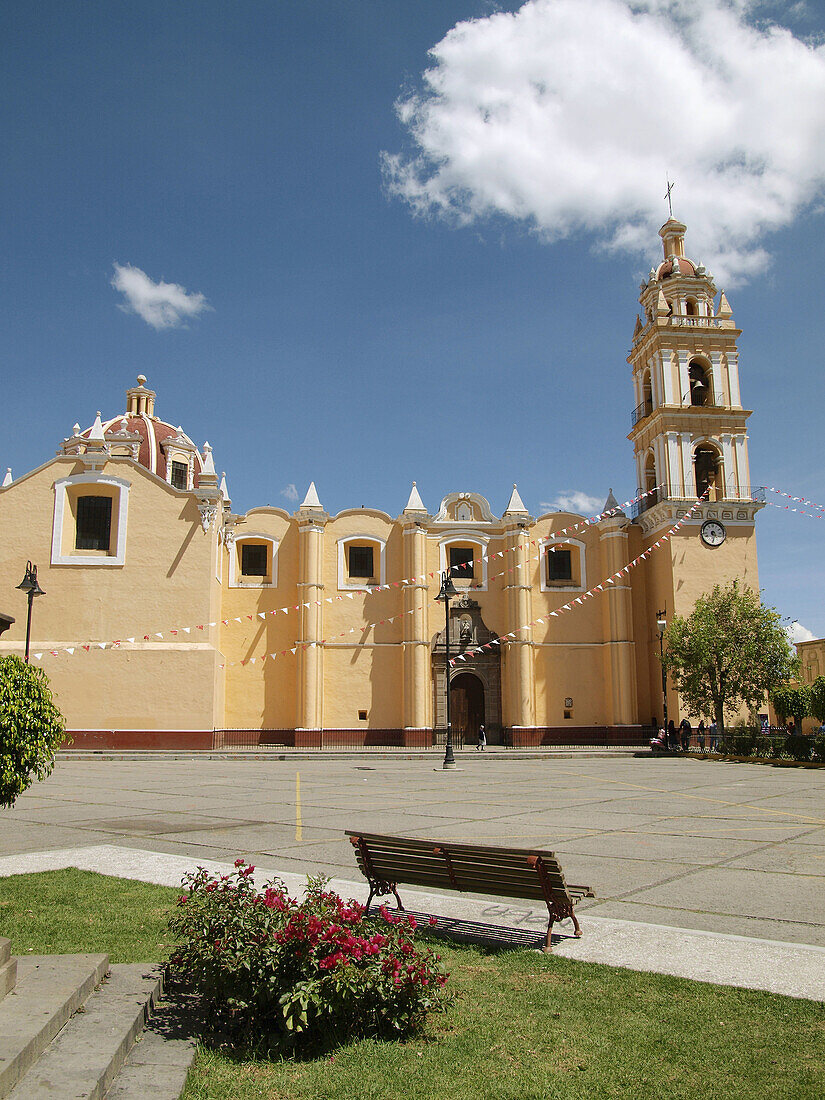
x,y
792,701
730,650
817,702
31,728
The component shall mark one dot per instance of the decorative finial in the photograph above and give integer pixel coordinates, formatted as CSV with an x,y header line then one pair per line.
x,y
141,378
670,187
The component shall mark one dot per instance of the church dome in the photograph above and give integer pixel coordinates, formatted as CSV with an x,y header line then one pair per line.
x,y
138,434
665,269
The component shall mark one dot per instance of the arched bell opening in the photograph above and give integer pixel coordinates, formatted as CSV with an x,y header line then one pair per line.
x,y
708,471
650,480
647,393
699,382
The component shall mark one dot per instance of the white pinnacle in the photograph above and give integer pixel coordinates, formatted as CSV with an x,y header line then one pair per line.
x,y
516,503
415,503
7,480
311,499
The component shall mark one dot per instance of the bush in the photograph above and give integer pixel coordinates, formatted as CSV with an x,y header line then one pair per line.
x,y
31,727
289,977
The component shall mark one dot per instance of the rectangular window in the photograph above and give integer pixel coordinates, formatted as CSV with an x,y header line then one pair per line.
x,y
559,565
461,562
360,561
94,523
253,560
180,475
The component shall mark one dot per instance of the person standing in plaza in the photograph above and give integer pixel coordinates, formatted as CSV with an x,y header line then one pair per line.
x,y
700,735
686,730
714,736
482,739
672,742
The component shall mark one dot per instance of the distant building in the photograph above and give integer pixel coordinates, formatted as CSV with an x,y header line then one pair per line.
x,y
137,544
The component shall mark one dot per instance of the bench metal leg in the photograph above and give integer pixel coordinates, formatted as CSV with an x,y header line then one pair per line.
x,y
380,889
547,946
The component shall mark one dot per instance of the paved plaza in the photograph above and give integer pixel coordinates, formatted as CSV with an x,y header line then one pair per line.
x,y
727,848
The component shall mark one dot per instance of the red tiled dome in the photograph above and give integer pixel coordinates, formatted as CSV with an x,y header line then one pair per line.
x,y
152,433
665,269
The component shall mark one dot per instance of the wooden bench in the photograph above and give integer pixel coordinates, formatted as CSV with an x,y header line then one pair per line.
x,y
523,873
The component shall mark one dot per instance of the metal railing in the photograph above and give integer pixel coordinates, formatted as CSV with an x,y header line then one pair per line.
x,y
330,739
744,494
640,412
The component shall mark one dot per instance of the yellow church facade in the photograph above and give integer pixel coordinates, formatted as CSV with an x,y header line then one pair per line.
x,y
171,620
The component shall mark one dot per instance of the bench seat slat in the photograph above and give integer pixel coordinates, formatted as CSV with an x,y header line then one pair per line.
x,y
528,873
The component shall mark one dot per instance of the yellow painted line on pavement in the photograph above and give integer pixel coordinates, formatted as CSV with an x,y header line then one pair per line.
x,y
298,825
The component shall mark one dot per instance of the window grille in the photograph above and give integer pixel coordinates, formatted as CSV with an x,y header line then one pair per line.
x,y
94,523
253,561
461,562
360,561
180,475
559,564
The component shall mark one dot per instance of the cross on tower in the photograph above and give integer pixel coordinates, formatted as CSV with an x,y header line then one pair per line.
x,y
670,187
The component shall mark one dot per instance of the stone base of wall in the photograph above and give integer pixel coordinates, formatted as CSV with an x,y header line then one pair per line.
x,y
140,739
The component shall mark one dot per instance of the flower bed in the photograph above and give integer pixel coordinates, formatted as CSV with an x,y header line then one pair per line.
x,y
292,976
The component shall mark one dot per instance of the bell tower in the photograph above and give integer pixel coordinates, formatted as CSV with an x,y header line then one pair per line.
x,y
688,431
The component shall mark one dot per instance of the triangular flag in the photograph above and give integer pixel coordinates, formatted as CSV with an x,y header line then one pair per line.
x,y
71,650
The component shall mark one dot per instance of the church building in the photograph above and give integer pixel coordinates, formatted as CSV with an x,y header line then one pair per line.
x,y
171,621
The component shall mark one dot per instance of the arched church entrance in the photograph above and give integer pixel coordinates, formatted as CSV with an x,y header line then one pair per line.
x,y
475,692
466,705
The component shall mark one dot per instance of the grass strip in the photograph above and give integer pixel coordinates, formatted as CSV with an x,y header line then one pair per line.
x,y
523,1026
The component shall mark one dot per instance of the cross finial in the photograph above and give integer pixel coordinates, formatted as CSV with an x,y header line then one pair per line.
x,y
670,187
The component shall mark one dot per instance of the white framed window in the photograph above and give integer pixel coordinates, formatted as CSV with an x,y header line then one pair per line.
x,y
362,561
253,562
90,517
466,557
563,567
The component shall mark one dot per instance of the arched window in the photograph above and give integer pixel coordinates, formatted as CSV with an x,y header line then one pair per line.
x,y
647,394
690,307
708,470
701,392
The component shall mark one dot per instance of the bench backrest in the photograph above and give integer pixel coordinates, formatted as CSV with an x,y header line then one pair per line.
x,y
474,868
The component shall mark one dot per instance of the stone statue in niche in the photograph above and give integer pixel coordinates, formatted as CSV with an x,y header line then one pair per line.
x,y
465,631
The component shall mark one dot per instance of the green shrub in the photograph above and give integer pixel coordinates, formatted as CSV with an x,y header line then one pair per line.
x,y
798,747
289,977
31,727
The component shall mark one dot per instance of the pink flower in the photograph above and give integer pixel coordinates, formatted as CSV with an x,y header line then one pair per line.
x,y
433,922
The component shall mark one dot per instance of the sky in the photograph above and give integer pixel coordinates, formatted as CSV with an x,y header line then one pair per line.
x,y
366,244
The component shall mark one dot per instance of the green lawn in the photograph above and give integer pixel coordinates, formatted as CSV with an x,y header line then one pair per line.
x,y
523,1026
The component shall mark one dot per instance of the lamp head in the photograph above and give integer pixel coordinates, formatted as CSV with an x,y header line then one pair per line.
x,y
448,589
29,583
661,621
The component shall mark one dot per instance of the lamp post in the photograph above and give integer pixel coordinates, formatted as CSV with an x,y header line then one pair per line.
x,y
448,590
30,586
661,626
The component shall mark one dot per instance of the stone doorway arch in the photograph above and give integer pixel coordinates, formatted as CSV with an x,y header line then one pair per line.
x,y
466,705
468,631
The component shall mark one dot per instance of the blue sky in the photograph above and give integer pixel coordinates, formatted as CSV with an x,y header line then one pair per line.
x,y
459,315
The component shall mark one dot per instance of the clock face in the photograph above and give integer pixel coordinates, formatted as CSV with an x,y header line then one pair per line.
x,y
713,533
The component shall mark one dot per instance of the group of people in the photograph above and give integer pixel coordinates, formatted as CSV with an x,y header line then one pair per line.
x,y
680,737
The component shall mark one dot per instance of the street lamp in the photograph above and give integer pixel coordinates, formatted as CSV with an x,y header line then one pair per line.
x,y
661,626
448,590
30,586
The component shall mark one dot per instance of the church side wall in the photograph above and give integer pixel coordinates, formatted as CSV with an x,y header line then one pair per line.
x,y
151,684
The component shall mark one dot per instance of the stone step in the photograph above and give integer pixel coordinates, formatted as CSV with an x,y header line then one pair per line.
x,y
8,968
84,1059
158,1064
49,990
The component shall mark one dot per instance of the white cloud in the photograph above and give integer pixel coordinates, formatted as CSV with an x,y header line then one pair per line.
x,y
574,501
800,633
568,114
161,305
290,492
